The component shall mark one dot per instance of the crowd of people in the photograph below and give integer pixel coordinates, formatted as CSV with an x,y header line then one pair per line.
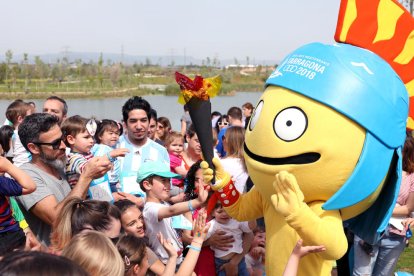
x,y
101,197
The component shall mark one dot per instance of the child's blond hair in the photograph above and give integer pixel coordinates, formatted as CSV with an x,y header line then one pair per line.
x,y
171,137
95,253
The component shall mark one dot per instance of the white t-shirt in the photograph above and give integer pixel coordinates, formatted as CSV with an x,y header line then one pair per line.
x,y
153,227
20,154
234,228
234,167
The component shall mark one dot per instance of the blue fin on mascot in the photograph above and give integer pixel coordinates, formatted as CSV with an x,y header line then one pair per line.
x,y
324,143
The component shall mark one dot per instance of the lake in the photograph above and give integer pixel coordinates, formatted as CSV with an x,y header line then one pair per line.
x,y
166,106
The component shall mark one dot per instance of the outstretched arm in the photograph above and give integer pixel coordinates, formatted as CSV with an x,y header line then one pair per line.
x,y
298,252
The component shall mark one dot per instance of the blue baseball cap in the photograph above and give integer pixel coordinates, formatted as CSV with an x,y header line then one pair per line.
x,y
150,168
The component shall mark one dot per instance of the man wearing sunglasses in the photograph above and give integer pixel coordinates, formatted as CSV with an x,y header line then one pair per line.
x,y
41,136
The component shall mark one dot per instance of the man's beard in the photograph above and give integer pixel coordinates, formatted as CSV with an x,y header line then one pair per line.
x,y
56,163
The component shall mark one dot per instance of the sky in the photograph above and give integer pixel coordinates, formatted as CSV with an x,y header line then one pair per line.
x,y
226,29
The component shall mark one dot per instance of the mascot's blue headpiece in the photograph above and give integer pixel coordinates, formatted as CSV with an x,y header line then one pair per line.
x,y
362,86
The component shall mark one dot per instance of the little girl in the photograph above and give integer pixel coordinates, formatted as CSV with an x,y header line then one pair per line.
x,y
108,132
106,137
137,256
175,147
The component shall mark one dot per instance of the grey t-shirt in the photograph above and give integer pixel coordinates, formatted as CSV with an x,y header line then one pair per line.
x,y
46,185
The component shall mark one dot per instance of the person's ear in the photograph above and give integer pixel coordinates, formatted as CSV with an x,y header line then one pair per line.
x,y
34,149
147,185
136,269
20,119
70,139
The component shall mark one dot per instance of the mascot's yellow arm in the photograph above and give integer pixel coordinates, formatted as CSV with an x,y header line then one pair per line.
x,y
310,223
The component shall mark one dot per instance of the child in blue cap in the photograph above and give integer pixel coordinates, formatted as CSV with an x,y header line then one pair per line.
x,y
154,179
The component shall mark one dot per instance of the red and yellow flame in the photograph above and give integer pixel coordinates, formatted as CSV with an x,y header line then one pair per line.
x,y
386,28
199,87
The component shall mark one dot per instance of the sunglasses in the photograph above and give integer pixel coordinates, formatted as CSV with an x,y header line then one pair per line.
x,y
54,144
223,123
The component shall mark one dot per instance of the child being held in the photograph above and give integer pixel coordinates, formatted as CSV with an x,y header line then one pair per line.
x,y
78,134
175,147
106,137
15,113
222,221
154,180
256,256
108,132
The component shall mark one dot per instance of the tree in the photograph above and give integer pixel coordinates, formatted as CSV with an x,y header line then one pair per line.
x,y
114,74
100,69
208,61
26,70
9,57
41,70
147,62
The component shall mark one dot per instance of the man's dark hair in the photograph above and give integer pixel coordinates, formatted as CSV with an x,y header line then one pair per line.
x,y
235,112
135,103
215,113
65,105
153,114
35,124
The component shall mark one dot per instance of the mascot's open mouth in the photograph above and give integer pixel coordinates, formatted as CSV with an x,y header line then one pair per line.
x,y
303,158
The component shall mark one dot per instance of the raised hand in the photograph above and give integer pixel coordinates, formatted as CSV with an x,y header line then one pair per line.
x,y
202,193
200,227
301,251
288,196
168,246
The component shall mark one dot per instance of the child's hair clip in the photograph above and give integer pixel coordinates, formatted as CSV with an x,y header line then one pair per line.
x,y
127,261
91,127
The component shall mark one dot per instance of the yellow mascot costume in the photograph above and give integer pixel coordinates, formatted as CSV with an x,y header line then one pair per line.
x,y
324,143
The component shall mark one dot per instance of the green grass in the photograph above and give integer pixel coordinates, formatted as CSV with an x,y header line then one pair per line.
x,y
406,260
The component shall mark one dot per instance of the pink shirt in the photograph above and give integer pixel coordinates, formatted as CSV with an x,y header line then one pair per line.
x,y
407,187
175,161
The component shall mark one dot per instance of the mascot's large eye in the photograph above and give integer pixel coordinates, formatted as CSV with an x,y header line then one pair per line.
x,y
256,115
290,124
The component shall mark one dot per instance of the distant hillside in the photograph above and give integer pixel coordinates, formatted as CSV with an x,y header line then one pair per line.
x,y
131,59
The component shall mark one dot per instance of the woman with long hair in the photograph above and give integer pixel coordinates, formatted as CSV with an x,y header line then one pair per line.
x,y
163,129
133,225
79,215
233,163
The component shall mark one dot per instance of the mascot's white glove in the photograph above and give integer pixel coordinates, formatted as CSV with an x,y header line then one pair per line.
x,y
288,197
